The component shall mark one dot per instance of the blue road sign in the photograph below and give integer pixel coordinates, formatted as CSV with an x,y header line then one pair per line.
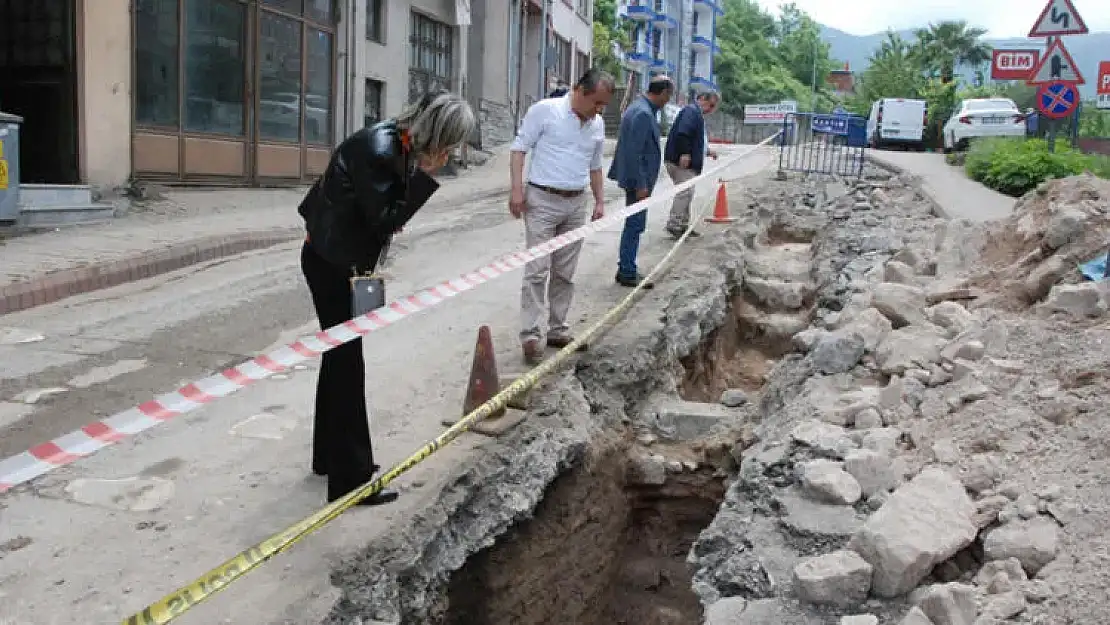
x,y
1057,99
830,124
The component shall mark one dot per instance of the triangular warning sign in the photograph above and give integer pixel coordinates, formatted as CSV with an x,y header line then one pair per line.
x,y
1056,64
1058,18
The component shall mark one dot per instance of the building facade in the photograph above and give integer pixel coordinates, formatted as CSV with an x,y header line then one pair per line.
x,y
252,92
673,37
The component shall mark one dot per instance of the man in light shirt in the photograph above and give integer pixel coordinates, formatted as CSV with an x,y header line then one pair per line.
x,y
565,137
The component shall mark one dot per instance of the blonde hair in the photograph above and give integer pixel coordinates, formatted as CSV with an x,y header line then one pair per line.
x,y
438,122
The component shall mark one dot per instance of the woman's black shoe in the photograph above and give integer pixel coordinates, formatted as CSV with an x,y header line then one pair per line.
x,y
387,495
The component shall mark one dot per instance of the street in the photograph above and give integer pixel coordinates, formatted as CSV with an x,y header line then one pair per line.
x,y
105,536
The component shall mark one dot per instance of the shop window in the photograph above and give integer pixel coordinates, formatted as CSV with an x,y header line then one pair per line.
x,y
318,87
319,11
279,93
289,6
214,66
156,28
372,106
375,20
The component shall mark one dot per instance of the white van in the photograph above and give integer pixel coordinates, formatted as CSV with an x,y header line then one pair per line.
x,y
897,122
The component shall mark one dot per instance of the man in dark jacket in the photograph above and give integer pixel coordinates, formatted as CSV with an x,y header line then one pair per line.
x,y
687,147
636,166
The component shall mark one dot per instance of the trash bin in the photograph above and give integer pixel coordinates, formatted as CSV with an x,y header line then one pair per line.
x,y
9,166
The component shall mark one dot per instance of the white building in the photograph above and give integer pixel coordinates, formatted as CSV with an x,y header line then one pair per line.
x,y
673,37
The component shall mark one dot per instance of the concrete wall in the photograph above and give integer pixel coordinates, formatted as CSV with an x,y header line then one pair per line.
x,y
106,92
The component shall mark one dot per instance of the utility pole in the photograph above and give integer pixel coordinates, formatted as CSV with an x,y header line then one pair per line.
x,y
813,79
543,50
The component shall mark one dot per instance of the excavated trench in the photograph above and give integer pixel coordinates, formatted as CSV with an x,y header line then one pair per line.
x,y
590,520
598,551
603,548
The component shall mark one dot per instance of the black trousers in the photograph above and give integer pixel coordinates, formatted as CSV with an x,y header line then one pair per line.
x,y
341,428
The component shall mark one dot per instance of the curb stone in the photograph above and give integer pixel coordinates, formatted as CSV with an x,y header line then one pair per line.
x,y
59,285
938,210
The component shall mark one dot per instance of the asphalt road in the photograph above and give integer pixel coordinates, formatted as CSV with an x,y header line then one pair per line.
x,y
94,541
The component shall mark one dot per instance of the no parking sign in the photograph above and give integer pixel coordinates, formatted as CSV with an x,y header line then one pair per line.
x,y
1057,99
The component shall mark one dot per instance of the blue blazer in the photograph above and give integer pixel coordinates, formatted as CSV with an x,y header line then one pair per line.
x,y
637,160
687,136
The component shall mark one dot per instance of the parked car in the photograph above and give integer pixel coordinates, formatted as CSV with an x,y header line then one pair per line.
x,y
983,117
897,122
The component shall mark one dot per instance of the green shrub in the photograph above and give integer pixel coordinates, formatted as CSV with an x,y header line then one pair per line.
x,y
956,159
1015,166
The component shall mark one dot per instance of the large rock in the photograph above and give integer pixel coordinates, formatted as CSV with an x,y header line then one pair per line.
x,y
826,481
779,295
1034,543
916,617
904,305
912,347
826,439
1077,300
874,471
948,604
840,578
837,352
952,317
1065,227
925,522
898,272
870,324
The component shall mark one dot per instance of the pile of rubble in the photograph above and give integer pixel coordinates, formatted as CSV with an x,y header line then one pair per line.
x,y
916,459
1060,225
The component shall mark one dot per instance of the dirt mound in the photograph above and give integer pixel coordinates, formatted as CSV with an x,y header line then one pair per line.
x,y
1053,229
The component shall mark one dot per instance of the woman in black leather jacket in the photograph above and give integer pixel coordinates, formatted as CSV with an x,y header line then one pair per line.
x,y
376,179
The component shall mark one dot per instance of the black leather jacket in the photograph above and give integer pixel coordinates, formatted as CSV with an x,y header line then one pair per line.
x,y
370,189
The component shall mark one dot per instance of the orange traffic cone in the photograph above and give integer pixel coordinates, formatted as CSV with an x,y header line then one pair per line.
x,y
484,383
720,208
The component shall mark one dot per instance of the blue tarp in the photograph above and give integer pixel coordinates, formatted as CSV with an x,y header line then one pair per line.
x,y
1094,269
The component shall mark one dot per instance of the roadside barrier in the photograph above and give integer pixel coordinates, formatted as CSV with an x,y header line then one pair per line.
x,y
180,601
69,448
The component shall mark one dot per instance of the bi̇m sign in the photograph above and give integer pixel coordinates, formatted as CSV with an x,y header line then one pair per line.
x,y
1013,64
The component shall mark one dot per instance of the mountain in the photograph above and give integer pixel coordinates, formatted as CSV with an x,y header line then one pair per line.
x,y
1087,50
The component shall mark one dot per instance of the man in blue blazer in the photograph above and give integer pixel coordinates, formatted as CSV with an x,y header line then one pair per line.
x,y
635,167
687,147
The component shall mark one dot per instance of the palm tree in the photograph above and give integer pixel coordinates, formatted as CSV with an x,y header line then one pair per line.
x,y
941,47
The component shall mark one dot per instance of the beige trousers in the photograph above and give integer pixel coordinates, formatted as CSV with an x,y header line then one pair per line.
x,y
549,280
679,219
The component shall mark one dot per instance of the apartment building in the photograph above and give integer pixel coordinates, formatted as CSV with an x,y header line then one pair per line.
x,y
673,37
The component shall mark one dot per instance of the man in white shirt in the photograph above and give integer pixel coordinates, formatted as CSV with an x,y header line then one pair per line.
x,y
565,137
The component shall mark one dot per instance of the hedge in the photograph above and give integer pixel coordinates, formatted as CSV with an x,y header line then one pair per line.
x,y
1016,166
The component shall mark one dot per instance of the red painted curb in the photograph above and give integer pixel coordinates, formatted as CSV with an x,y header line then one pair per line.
x,y
69,282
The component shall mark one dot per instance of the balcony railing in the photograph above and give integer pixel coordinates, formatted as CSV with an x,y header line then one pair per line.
x,y
701,83
710,5
702,43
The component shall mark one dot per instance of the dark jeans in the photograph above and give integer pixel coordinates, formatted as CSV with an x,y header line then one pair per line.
x,y
341,428
630,238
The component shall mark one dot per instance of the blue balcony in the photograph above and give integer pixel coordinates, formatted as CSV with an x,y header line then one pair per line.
x,y
637,59
639,13
708,5
702,43
702,84
664,21
662,66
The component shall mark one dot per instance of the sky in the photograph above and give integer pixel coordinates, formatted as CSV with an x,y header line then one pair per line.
x,y
1002,18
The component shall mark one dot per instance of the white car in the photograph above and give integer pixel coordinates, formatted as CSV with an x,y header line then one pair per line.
x,y
980,118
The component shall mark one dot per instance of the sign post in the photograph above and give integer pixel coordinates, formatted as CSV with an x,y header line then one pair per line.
x,y
1056,73
1104,85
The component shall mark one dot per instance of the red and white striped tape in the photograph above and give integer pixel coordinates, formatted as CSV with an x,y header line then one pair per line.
x,y
97,435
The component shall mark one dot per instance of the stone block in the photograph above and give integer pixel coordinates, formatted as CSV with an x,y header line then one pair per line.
x,y
841,578
925,522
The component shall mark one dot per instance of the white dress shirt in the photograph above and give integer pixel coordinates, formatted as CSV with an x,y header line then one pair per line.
x,y
563,148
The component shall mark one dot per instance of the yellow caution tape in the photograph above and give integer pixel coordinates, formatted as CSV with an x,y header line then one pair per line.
x,y
204,587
